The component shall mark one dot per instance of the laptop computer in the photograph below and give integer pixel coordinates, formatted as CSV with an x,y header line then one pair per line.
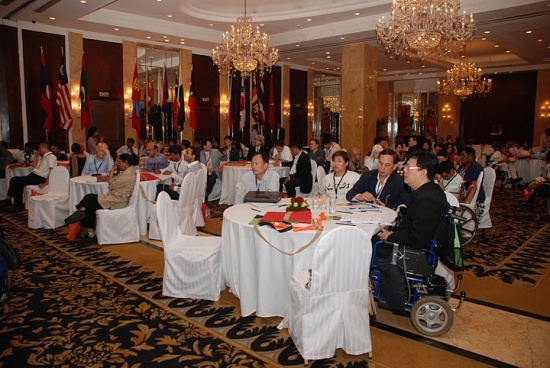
x,y
261,197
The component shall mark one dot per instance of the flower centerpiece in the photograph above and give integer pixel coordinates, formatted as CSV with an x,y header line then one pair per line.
x,y
297,204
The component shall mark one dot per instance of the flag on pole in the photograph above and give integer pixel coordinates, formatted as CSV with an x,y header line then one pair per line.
x,y
136,103
271,118
85,102
192,103
159,88
175,107
242,106
233,105
261,104
165,108
255,107
63,97
149,91
181,109
45,103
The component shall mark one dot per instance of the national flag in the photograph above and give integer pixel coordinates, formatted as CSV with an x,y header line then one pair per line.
x,y
181,109
255,107
149,91
271,118
63,97
85,102
242,106
175,106
165,108
192,103
159,88
45,103
261,104
136,103
233,105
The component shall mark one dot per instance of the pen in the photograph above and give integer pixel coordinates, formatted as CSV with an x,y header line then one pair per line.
x,y
344,223
344,212
253,209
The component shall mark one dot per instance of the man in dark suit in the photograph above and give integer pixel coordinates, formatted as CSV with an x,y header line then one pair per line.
x,y
278,132
383,186
300,172
259,146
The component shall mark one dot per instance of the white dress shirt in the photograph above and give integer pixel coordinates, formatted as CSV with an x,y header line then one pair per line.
x,y
45,164
249,182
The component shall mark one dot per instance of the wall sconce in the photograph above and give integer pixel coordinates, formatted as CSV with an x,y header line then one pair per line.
x,y
446,112
286,111
310,110
224,107
545,111
75,99
128,105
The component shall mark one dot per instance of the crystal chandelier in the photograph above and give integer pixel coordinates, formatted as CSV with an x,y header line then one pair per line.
x,y
420,28
463,80
245,50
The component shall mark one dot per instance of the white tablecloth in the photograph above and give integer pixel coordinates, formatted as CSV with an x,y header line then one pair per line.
x,y
86,184
257,273
17,171
530,169
232,176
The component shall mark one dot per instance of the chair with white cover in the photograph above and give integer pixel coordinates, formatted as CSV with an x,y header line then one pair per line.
x,y
331,311
321,173
470,226
192,264
314,187
199,197
183,208
484,218
49,210
119,225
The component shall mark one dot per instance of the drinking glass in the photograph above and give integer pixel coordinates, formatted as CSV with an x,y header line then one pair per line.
x,y
331,205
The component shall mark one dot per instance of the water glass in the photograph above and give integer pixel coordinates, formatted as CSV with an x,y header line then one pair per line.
x,y
331,201
321,201
314,203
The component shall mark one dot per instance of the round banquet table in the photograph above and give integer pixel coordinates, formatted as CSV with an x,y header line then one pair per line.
x,y
257,273
12,171
232,176
529,169
86,184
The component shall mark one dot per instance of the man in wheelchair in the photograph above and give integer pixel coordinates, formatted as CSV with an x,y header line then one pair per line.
x,y
411,239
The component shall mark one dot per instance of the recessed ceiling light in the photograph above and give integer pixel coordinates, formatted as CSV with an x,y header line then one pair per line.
x,y
540,40
169,15
497,45
148,37
308,19
182,42
529,32
483,38
356,13
83,1
298,25
288,58
182,39
116,29
420,73
507,51
328,68
328,56
342,38
262,24
423,66
166,40
408,61
297,45
487,32
52,18
462,56
384,69
313,63
164,36
158,1
211,24
151,57
328,52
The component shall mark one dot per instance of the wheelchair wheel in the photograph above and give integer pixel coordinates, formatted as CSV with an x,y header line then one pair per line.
x,y
432,316
469,226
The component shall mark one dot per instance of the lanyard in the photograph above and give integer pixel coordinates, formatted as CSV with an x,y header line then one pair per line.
x,y
257,184
451,179
337,186
96,167
380,188
42,159
178,166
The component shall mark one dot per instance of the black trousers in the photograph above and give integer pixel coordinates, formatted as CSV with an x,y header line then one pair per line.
x,y
18,184
166,188
90,203
291,186
210,182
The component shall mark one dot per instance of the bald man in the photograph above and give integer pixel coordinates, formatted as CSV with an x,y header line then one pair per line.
x,y
100,163
356,161
155,160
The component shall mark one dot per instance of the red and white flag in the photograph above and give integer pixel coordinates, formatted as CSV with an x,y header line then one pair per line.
x,y
63,97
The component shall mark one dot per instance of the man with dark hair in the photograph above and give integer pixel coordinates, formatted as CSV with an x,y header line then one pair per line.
x,y
176,169
259,178
470,169
281,152
448,179
6,158
300,172
40,176
57,152
427,208
383,186
278,132
211,159
230,152
156,160
128,148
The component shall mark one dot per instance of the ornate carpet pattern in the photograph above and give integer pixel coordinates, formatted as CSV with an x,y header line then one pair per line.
x,y
112,311
509,251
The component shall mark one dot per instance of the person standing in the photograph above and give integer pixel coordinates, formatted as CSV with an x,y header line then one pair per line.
x,y
93,140
278,133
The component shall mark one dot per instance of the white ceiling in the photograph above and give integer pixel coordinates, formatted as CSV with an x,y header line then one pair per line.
x,y
198,24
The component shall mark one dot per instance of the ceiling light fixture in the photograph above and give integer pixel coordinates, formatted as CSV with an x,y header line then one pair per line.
x,y
463,80
244,50
420,28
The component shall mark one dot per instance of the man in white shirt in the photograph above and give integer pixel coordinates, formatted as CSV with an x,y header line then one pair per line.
x,y
40,176
259,179
176,169
128,148
330,147
448,179
100,163
281,152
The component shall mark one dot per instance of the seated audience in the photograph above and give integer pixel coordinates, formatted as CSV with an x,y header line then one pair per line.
x,y
128,148
281,152
100,163
211,159
258,146
6,158
57,152
155,159
121,187
330,147
29,156
544,141
78,159
300,172
448,179
356,161
338,183
316,154
470,170
39,176
193,164
231,152
143,149
371,161
383,186
176,169
259,178
501,159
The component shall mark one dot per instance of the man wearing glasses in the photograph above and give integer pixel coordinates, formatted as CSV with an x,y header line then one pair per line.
x,y
383,186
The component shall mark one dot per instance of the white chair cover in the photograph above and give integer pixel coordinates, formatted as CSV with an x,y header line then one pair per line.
x,y
333,313
484,218
216,191
49,210
120,225
199,198
472,204
314,187
184,210
321,173
441,269
192,264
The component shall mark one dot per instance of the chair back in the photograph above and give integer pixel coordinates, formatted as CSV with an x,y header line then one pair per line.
x,y
489,178
313,170
471,203
453,201
135,193
167,219
321,173
341,262
59,181
188,190
201,184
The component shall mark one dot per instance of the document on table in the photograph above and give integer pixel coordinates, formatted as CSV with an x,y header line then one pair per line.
x,y
364,218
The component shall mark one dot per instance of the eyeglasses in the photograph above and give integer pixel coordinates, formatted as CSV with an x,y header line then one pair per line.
x,y
411,167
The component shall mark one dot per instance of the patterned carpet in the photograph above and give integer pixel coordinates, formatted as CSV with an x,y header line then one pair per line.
x,y
81,305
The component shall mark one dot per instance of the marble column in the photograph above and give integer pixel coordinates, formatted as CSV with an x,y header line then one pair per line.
x,y
359,96
225,95
285,101
186,65
76,47
129,55
310,104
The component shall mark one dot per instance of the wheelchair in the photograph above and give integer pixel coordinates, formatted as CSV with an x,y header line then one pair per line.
x,y
419,293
